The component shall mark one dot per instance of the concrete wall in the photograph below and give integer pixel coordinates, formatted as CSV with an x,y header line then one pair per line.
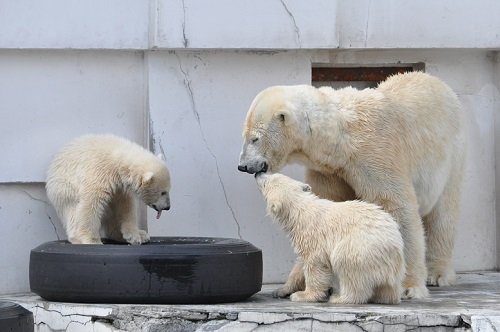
x,y
163,72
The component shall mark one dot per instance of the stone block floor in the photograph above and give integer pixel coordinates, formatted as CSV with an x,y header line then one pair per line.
x,y
473,304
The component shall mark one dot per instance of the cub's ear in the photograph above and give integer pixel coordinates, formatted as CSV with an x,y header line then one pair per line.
x,y
275,207
147,178
306,188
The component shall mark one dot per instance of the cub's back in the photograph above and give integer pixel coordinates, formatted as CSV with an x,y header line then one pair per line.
x,y
362,221
91,153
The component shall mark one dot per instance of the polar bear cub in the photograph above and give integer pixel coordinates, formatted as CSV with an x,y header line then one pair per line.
x,y
92,182
353,247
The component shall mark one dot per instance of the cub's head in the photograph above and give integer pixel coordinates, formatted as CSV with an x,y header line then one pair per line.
x,y
280,191
155,187
272,129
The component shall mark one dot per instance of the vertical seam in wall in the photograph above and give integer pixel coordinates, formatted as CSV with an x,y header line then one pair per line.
x,y
146,106
146,128
153,24
367,22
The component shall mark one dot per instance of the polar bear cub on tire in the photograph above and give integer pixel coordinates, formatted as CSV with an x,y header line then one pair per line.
x,y
353,247
92,182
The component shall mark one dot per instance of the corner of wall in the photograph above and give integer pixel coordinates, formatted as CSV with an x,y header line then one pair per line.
x,y
495,57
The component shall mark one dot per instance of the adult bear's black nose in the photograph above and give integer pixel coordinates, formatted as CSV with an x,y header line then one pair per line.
x,y
242,168
263,166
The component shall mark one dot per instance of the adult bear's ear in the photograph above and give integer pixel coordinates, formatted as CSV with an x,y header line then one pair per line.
x,y
286,115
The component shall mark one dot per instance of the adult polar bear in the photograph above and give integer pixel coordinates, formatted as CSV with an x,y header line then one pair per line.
x,y
400,146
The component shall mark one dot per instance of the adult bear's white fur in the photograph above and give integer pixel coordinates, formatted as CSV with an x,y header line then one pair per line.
x,y
353,247
92,182
400,146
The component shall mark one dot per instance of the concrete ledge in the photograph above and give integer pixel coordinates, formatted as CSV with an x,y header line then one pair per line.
x,y
471,305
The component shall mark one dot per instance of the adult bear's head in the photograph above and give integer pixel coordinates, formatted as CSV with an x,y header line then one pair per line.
x,y
274,128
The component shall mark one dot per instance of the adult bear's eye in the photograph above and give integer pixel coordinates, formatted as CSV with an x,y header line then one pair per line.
x,y
254,140
163,193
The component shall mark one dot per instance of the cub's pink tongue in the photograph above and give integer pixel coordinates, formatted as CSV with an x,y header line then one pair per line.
x,y
158,215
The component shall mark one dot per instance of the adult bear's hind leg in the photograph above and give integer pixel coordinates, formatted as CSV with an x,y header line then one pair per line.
x,y
440,229
329,186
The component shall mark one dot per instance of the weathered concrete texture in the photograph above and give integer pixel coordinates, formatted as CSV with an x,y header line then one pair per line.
x,y
471,305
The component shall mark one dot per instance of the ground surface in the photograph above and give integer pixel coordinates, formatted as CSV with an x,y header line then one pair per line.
x,y
471,305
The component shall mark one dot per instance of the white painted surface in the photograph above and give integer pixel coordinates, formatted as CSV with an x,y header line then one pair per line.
x,y
418,24
66,68
257,24
27,220
277,24
74,24
48,98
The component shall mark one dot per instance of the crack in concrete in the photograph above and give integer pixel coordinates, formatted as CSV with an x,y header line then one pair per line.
x,y
492,325
91,318
185,40
155,140
47,205
187,84
160,145
407,327
296,27
365,322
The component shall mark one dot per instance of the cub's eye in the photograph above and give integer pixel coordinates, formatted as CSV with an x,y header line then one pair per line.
x,y
254,140
163,193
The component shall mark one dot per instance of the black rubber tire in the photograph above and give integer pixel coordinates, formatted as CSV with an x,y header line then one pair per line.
x,y
15,318
167,270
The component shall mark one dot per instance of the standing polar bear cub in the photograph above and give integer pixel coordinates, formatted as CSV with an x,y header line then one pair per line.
x,y
400,146
92,182
354,243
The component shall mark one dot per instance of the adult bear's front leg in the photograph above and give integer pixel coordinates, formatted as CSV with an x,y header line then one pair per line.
x,y
404,210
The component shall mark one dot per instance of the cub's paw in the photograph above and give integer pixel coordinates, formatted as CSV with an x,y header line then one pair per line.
x,y
282,292
144,236
298,297
303,296
84,240
133,237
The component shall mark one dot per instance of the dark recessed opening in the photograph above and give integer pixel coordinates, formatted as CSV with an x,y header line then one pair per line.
x,y
359,77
